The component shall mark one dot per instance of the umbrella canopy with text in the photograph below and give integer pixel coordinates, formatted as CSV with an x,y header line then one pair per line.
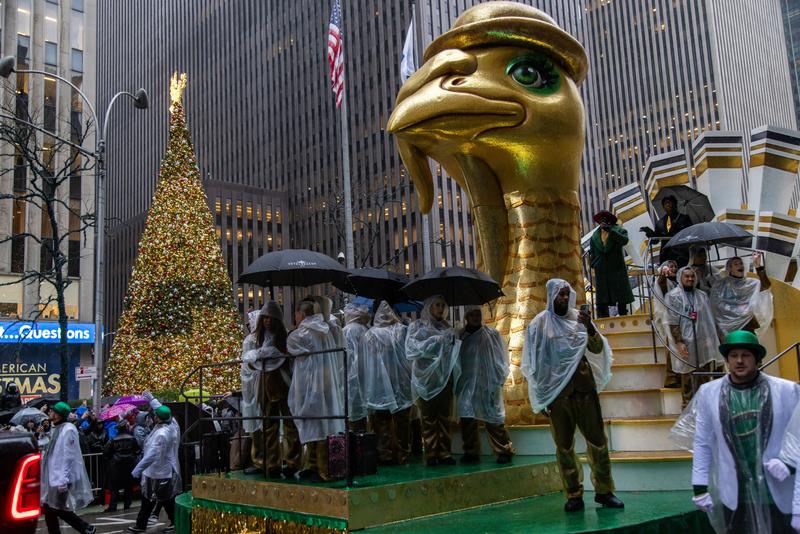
x,y
458,285
293,267
711,233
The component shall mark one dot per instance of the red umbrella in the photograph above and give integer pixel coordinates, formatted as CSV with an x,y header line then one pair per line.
x,y
115,411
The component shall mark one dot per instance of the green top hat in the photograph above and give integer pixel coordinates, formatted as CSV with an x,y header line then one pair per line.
x,y
743,339
62,409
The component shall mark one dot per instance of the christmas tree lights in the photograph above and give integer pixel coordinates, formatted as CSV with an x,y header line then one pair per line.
x,y
178,311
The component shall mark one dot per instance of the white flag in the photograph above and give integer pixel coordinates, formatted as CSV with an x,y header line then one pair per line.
x,y
407,64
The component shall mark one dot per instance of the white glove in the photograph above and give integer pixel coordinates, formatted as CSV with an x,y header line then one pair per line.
x,y
703,502
147,395
777,469
796,523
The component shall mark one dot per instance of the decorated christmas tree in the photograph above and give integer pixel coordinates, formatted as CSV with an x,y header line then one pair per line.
x,y
178,312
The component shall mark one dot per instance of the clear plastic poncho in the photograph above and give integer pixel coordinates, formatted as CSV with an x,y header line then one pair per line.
x,y
706,348
316,388
256,360
356,320
483,368
553,348
790,453
388,371
433,348
159,468
659,309
696,430
737,300
62,466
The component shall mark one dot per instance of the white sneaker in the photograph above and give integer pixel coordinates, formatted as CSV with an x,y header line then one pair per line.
x,y
152,520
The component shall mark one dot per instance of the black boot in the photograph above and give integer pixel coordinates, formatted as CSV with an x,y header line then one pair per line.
x,y
608,500
575,504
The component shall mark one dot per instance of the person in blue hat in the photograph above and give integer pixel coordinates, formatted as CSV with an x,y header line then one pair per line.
x,y
740,420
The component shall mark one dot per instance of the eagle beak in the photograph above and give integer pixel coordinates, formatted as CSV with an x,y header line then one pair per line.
x,y
440,111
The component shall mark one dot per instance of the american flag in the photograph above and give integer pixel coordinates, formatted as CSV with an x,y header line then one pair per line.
x,y
336,52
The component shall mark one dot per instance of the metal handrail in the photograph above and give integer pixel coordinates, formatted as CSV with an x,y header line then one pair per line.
x,y
264,418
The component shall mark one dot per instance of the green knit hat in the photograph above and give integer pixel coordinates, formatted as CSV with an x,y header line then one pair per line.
x,y
743,339
62,409
164,413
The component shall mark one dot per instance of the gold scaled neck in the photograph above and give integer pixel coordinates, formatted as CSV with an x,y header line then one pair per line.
x,y
176,86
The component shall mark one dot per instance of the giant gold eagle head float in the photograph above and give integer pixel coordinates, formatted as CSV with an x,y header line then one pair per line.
x,y
496,103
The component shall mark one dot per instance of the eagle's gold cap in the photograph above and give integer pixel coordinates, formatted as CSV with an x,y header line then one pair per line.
x,y
514,24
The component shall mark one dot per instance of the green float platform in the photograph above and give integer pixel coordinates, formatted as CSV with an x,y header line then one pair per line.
x,y
417,498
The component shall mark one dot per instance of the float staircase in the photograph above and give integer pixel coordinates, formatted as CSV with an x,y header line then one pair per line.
x,y
638,412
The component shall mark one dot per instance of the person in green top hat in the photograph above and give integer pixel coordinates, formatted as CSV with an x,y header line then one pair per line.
x,y
740,420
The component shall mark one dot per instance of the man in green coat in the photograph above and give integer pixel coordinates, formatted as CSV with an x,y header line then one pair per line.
x,y
607,256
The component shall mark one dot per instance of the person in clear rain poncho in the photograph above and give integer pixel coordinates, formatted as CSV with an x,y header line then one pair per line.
x,y
432,347
707,274
316,388
742,303
736,425
693,334
387,388
266,377
159,469
481,373
790,455
65,485
663,283
566,362
356,320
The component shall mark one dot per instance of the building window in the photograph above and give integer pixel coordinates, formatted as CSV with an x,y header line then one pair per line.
x,y
77,5
50,54
77,60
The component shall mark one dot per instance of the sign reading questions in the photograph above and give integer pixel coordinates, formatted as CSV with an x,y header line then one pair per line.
x,y
27,332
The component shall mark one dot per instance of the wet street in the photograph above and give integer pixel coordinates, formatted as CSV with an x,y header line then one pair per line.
x,y
112,523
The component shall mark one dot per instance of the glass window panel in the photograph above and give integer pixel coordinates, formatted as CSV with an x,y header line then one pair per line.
x,y
77,60
24,17
50,53
51,22
77,5
23,46
76,30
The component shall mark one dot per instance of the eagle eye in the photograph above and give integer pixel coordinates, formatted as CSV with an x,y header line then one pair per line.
x,y
535,72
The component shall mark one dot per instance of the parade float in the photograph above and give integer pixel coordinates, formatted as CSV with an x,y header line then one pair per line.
x,y
496,103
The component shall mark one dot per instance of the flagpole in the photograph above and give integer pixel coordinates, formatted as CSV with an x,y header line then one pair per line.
x,y
427,259
349,249
348,200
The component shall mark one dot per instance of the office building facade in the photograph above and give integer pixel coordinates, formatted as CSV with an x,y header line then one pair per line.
x,y
267,132
56,37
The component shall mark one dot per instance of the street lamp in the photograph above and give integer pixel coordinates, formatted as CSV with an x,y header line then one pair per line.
x,y
140,101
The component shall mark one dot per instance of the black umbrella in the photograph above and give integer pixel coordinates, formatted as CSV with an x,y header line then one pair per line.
x,y
376,284
690,201
293,267
459,286
38,402
711,233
